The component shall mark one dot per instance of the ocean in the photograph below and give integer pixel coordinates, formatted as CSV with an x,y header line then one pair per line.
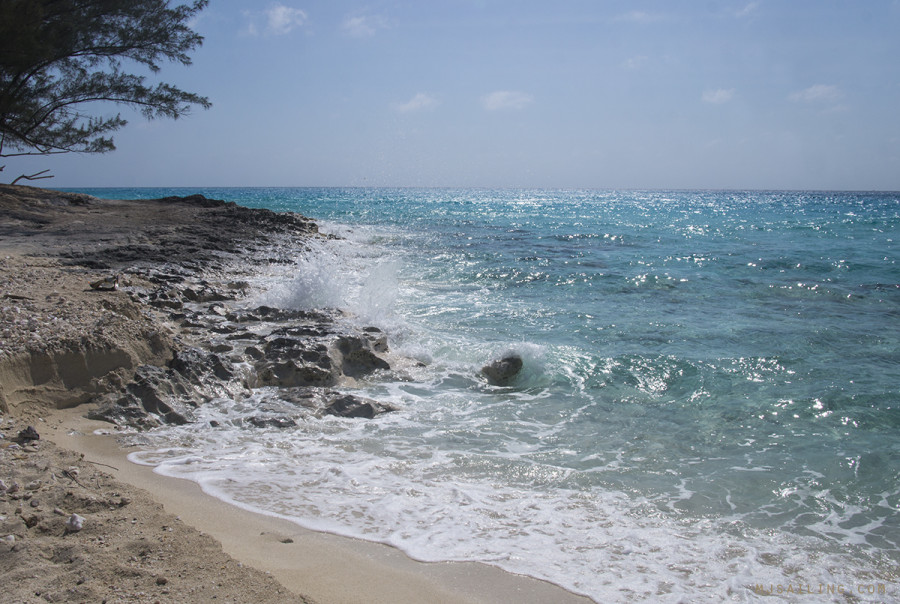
x,y
709,408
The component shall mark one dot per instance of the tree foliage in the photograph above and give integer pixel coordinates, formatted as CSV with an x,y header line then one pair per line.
x,y
58,57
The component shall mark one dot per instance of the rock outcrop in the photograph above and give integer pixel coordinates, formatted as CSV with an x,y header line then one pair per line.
x,y
173,335
503,371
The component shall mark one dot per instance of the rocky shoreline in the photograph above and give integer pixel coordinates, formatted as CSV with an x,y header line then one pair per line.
x,y
170,330
165,328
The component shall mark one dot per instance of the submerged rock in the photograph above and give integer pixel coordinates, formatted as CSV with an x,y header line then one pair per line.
x,y
272,422
503,371
349,405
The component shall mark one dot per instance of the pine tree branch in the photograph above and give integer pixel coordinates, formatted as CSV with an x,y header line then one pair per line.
x,y
35,176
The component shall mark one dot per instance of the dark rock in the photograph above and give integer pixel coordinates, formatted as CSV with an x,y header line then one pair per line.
x,y
254,353
222,328
502,372
309,398
284,345
272,422
168,395
315,330
197,199
167,303
357,357
349,405
155,396
377,338
240,335
280,315
28,434
203,294
290,374
305,349
194,364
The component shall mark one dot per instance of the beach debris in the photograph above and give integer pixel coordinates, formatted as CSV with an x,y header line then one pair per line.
x,y
502,371
106,283
29,434
75,523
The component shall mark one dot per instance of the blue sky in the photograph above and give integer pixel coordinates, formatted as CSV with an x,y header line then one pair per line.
x,y
795,94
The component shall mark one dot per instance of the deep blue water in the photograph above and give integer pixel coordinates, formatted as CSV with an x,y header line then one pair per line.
x,y
710,397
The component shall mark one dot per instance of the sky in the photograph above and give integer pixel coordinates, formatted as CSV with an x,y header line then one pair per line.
x,y
610,94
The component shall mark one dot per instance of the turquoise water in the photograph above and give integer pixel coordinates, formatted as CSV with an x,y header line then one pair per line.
x,y
709,403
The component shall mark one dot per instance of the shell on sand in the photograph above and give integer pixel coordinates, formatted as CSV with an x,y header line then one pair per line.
x,y
75,523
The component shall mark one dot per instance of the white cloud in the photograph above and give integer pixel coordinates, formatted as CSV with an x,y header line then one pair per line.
x,y
363,26
281,19
635,62
815,94
718,96
748,10
417,103
249,28
506,99
276,20
639,16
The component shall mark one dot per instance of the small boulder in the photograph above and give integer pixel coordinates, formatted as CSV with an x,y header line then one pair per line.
x,y
28,434
272,422
290,374
75,523
355,406
356,356
503,371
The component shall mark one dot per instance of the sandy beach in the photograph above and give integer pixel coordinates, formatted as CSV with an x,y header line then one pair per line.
x,y
141,537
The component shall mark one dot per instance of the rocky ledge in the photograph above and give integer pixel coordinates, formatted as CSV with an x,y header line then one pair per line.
x,y
305,355
165,326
